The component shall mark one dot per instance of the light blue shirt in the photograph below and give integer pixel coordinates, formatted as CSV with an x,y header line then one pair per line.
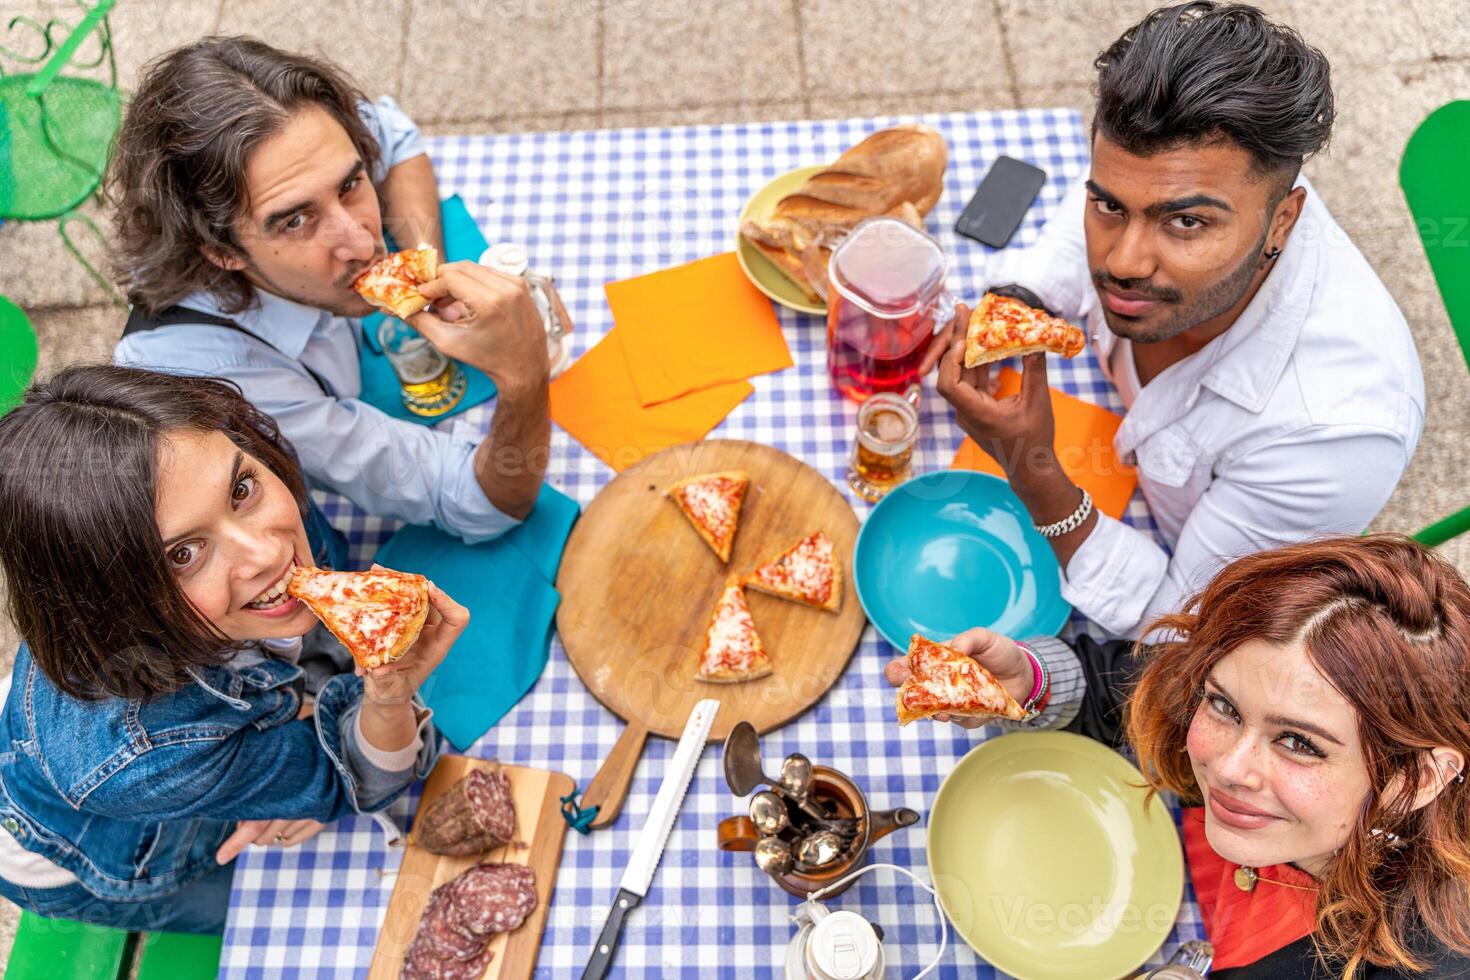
x,y
387,466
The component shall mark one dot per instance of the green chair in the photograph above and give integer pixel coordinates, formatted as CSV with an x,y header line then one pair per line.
x,y
56,130
177,956
60,949
17,354
1432,174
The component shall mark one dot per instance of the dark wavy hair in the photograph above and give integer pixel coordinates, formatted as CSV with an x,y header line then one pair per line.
x,y
178,173
1387,623
90,587
1197,72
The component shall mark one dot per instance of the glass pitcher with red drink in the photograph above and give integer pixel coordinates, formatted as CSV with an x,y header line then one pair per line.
x,y
886,296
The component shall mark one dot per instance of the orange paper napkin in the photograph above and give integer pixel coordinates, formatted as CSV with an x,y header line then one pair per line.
x,y
594,400
1084,447
694,326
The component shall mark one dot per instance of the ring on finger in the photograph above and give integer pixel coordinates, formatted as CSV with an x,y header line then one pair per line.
x,y
280,838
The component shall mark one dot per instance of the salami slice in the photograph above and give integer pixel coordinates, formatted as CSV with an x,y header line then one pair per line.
x,y
422,963
443,934
489,793
494,898
475,815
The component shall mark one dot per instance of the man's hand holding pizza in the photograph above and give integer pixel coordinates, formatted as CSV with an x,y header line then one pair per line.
x,y
1018,431
488,320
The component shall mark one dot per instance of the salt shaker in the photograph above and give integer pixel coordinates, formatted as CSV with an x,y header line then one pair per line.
x,y
511,259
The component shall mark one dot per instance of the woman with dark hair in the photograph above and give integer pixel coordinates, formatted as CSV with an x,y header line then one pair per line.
x,y
157,720
1310,709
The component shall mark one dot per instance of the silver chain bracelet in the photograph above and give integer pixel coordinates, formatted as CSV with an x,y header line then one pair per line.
x,y
1069,523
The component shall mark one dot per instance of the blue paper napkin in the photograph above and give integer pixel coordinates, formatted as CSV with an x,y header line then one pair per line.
x,y
462,242
508,586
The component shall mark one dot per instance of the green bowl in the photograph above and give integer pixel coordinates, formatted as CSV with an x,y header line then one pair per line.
x,y
1047,863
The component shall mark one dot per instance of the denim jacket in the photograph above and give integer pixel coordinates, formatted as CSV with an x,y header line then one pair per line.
x,y
135,797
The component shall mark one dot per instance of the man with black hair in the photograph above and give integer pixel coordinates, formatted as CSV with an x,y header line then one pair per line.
x,y
1272,385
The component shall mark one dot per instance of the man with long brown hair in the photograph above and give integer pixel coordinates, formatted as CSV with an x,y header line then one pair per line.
x,y
252,187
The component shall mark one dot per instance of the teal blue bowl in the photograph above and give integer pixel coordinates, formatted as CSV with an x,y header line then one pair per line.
x,y
952,550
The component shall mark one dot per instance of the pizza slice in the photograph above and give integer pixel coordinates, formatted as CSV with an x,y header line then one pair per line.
x,y
391,282
945,681
1002,327
807,572
712,502
733,651
376,615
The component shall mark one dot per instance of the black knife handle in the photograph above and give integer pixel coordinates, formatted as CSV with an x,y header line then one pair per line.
x,y
612,933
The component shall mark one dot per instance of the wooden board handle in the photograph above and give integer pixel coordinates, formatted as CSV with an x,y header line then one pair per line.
x,y
609,787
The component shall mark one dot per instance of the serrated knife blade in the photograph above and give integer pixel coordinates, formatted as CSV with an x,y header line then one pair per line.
x,y
649,847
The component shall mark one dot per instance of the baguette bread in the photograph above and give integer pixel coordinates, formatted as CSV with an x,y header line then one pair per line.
x,y
897,172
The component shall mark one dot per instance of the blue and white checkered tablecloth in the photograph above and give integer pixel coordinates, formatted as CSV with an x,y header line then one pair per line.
x,y
604,205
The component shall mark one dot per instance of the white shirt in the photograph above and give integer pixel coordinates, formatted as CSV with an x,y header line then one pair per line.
x,y
1295,422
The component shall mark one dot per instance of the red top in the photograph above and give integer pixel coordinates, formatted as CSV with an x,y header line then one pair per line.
x,y
1245,926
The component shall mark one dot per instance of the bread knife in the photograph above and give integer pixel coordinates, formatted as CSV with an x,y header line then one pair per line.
x,y
654,835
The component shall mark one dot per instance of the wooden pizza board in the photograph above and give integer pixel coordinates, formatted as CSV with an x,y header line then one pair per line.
x,y
540,825
638,584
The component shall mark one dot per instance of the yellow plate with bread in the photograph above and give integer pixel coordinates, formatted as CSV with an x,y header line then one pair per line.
x,y
761,271
789,228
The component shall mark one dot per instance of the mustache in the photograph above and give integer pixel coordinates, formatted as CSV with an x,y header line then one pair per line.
x,y
353,271
1139,286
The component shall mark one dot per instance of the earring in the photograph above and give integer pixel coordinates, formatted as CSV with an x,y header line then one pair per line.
x,y
1388,836
1272,254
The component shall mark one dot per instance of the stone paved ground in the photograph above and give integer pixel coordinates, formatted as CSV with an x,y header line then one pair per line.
x,y
481,66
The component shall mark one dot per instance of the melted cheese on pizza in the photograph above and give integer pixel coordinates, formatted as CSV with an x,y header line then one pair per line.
x,y
943,679
371,608
391,279
1005,323
712,504
731,642
807,570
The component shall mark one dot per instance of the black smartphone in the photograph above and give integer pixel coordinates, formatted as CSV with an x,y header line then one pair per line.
x,y
996,210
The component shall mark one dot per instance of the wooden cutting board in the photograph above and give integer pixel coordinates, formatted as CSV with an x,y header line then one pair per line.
x,y
537,795
638,584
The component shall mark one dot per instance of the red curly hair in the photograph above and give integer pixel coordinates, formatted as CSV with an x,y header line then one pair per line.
x,y
1387,623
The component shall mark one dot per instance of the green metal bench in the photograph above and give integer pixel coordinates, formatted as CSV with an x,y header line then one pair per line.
x,y
60,949
1432,175
56,130
18,354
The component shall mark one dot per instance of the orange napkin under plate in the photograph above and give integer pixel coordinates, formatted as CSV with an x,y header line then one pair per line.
x,y
694,326
1084,447
594,400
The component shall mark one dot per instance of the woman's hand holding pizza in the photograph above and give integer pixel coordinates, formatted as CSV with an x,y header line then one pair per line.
x,y
998,654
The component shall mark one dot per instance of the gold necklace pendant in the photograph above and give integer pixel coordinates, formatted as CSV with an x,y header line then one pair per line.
x,y
1245,878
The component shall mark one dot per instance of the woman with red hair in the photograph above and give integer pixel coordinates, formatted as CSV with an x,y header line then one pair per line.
x,y
1311,709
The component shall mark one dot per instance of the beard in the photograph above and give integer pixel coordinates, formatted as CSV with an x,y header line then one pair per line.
x,y
338,298
1182,312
